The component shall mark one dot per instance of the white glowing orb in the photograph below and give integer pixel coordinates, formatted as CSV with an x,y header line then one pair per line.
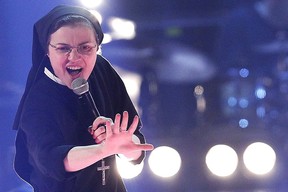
x,y
164,161
122,28
222,160
259,158
97,15
128,170
107,38
91,3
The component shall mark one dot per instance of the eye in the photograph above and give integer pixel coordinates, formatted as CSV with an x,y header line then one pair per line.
x,y
63,49
85,48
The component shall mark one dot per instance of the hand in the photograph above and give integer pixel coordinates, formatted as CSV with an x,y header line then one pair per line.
x,y
98,129
117,139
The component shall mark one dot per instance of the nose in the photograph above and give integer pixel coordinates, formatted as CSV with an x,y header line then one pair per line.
x,y
73,55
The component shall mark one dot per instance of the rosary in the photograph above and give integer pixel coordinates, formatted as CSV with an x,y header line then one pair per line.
x,y
103,168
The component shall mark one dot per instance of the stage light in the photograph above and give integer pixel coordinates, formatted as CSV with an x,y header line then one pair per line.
x,y
259,158
243,123
91,3
132,83
200,99
164,161
107,38
128,170
243,103
260,92
232,101
97,15
260,111
122,28
244,72
222,160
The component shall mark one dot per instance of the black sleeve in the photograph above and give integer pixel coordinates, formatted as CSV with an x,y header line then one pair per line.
x,y
45,143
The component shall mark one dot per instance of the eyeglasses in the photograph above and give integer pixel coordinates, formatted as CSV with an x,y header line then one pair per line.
x,y
84,49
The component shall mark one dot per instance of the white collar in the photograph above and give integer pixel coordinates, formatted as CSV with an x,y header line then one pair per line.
x,y
52,76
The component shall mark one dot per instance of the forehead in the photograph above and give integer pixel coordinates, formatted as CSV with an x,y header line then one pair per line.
x,y
76,32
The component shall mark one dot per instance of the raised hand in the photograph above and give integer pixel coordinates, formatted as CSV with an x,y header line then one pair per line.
x,y
116,137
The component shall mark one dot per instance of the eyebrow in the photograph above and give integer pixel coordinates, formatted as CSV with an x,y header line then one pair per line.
x,y
71,45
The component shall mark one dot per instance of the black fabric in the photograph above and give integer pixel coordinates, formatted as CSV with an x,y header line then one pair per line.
x,y
53,121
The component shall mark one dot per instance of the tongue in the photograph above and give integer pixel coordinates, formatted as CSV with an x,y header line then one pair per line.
x,y
74,72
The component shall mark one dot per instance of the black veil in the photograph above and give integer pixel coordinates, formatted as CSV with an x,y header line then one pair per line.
x,y
40,36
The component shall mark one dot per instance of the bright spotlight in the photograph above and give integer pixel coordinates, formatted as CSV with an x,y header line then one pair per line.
x,y
91,3
122,28
164,161
97,15
128,170
107,38
259,158
132,82
222,160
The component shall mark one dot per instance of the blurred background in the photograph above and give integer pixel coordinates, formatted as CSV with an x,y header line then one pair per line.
x,y
206,76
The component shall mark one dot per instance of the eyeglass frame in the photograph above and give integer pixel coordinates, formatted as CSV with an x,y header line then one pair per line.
x,y
71,48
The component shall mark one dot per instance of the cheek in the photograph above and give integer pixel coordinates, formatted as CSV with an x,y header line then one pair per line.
x,y
56,63
91,61
90,66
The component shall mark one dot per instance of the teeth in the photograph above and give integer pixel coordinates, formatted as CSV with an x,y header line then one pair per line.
x,y
73,67
74,70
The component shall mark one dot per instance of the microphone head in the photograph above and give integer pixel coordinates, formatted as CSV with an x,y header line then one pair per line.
x,y
80,86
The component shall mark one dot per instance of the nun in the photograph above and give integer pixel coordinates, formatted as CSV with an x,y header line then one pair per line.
x,y
61,144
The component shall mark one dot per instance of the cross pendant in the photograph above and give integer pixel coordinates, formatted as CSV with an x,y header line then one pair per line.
x,y
103,168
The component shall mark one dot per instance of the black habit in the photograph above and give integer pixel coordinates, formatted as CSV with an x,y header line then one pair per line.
x,y
51,120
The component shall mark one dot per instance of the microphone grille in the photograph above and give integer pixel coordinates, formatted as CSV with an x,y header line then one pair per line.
x,y
80,86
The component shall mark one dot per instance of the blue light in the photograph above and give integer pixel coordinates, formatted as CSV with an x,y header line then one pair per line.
x,y
260,93
243,103
243,123
244,72
232,101
260,111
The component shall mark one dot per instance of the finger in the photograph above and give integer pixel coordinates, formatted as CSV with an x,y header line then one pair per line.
x,y
116,127
144,147
100,138
90,130
99,131
124,122
134,125
109,132
99,121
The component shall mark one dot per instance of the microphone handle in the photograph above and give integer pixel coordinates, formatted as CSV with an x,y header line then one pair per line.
x,y
89,101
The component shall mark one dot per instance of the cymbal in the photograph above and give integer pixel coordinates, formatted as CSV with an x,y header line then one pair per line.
x,y
182,63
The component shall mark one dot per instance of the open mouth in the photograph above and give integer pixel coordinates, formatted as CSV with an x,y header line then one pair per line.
x,y
74,70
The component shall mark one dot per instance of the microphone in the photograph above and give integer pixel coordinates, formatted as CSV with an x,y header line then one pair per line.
x,y
81,87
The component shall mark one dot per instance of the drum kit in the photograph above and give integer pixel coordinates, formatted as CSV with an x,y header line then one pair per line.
x,y
248,99
255,99
170,72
